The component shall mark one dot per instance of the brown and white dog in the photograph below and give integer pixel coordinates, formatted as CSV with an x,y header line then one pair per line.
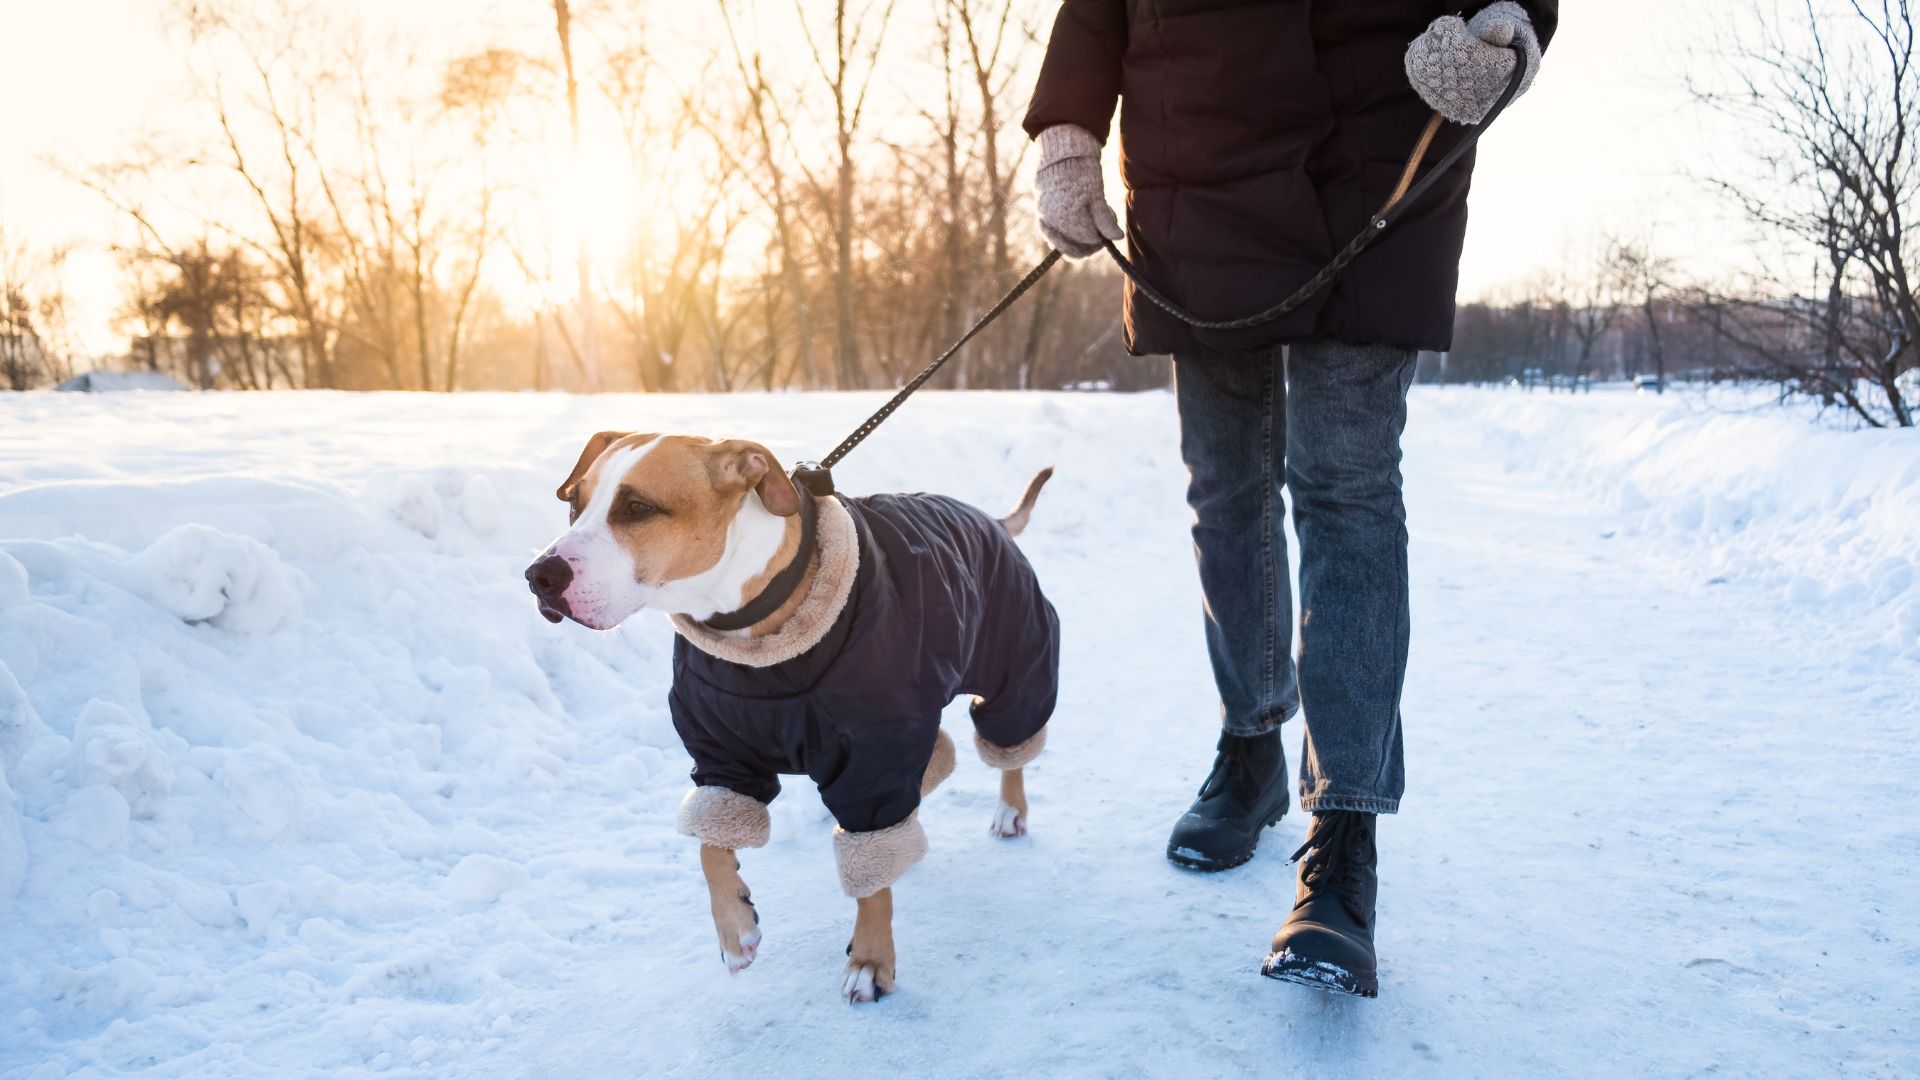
x,y
892,607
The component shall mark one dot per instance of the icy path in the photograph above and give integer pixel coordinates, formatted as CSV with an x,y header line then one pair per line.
x,y
1659,821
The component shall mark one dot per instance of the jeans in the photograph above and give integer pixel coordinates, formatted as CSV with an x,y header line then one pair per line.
x,y
1324,419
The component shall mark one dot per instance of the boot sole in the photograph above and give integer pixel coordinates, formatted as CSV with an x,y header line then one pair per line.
x,y
1320,975
1189,859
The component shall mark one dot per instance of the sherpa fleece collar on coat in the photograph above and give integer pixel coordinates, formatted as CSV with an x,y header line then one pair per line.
x,y
838,565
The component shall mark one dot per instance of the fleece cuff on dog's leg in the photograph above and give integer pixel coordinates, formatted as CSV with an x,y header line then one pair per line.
x,y
724,818
871,861
1011,757
939,766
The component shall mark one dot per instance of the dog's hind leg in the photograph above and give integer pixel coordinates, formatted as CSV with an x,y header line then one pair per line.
x,y
1010,819
939,766
734,917
870,956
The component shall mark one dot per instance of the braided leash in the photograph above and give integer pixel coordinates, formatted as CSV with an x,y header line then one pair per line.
x,y
817,477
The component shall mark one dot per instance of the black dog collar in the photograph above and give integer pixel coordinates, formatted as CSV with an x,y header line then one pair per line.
x,y
780,589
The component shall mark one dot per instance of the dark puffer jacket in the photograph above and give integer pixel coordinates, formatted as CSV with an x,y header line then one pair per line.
x,y
1257,137
943,604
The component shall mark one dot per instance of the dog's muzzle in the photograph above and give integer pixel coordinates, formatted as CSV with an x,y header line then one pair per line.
x,y
548,578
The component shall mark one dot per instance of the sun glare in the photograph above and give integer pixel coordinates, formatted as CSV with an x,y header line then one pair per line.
x,y
592,197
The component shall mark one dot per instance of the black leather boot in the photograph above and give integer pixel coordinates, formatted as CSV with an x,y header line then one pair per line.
x,y
1327,943
1245,793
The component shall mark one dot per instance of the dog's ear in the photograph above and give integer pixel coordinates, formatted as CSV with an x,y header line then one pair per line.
x,y
588,455
738,464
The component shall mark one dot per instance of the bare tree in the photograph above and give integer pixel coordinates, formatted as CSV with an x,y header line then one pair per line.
x,y
475,91
33,316
671,275
847,74
1833,97
272,48
1645,280
994,38
947,125
1590,293
589,349
775,189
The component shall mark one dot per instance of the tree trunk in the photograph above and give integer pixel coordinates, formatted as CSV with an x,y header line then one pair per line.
x,y
847,348
589,342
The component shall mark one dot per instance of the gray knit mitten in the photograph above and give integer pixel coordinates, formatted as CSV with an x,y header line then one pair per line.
x,y
1074,215
1460,68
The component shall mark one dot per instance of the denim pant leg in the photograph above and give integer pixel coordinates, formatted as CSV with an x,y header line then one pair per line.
x,y
1233,436
1346,408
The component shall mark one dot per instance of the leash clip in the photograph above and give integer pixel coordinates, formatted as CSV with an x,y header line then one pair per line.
x,y
817,480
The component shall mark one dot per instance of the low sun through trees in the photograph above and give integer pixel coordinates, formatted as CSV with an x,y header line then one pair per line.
x,y
819,194
340,211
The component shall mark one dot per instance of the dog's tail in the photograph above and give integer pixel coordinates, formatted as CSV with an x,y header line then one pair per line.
x,y
1016,522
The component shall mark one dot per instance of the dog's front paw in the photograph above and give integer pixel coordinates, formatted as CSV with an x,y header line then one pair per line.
x,y
866,981
748,946
738,925
1008,821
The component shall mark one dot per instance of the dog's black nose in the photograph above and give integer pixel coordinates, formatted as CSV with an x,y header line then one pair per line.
x,y
549,577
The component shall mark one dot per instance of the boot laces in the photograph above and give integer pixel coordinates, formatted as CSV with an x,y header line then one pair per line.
x,y
1335,857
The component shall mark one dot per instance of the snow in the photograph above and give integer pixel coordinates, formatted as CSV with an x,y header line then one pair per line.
x,y
204,575
1756,496
480,878
294,779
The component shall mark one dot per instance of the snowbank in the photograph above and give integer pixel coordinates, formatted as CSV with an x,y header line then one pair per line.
x,y
257,736
281,733
1830,520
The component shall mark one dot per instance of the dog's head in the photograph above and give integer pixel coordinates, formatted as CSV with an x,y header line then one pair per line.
x,y
672,522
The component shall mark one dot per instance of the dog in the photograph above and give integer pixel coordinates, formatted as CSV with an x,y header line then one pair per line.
x,y
818,637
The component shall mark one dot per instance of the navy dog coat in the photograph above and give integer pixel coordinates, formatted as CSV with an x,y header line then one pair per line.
x,y
942,604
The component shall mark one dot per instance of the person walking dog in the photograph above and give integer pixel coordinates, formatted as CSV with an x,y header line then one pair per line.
x,y
1256,137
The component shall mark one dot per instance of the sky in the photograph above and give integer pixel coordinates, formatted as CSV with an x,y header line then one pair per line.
x,y
1606,143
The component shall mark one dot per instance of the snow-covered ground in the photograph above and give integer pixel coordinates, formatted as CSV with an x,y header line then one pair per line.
x,y
296,781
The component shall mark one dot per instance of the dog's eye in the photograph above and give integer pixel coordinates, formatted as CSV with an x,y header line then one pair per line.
x,y
637,510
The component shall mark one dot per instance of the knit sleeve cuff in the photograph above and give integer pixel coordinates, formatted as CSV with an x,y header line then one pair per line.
x,y
1509,9
1063,141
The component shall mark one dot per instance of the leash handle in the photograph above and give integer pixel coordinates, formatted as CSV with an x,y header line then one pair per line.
x,y
1404,195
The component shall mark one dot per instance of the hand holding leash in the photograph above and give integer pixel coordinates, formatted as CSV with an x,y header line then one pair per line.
x,y
1459,67
1074,214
